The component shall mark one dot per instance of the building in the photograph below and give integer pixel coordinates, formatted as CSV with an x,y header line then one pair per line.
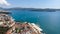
x,y
8,26
7,23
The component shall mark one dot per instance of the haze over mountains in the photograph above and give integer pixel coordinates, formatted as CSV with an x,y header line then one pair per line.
x,y
30,9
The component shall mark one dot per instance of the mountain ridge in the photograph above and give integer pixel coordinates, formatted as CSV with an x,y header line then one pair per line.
x,y
30,9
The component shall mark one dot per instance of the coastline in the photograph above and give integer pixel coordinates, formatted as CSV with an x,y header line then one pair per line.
x,y
13,27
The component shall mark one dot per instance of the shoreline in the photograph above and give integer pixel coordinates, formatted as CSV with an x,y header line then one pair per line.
x,y
9,26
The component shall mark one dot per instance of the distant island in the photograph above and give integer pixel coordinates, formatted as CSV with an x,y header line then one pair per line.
x,y
31,9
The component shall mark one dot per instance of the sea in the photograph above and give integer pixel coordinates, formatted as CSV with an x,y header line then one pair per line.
x,y
48,21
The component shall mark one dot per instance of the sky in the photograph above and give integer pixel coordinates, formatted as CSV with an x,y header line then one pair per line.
x,y
30,3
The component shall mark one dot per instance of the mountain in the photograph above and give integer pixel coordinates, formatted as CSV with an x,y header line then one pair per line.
x,y
30,9
1,8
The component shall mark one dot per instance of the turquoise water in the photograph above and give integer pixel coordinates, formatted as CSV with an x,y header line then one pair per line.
x,y
49,21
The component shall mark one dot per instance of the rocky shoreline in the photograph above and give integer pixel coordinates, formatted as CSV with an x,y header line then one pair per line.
x,y
27,28
9,26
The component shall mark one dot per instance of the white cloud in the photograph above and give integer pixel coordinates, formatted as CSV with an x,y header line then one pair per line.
x,y
4,2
